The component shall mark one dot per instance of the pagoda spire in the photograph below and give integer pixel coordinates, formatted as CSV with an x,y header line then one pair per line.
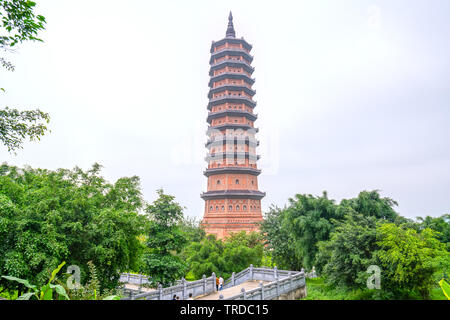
x,y
230,30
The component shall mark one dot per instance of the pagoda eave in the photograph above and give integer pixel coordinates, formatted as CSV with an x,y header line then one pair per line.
x,y
231,40
238,170
233,194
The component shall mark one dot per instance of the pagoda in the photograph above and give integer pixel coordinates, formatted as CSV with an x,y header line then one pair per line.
x,y
232,200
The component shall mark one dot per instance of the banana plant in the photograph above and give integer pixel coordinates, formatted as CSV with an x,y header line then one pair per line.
x,y
46,291
445,288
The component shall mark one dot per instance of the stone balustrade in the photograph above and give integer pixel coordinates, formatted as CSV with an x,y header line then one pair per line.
x,y
281,284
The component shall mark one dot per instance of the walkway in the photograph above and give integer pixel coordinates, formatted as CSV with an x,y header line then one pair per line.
x,y
249,285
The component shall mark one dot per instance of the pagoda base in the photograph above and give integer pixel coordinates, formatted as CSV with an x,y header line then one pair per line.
x,y
223,227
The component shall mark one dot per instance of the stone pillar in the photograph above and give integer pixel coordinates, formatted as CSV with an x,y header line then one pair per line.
x,y
214,282
183,281
204,284
261,285
160,292
233,280
245,295
128,278
275,272
251,272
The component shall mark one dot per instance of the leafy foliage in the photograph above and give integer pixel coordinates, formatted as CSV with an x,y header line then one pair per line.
x,y
165,240
409,258
17,125
345,258
92,290
20,21
223,257
45,292
71,215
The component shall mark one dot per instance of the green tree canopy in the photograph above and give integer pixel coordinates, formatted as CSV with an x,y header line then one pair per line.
x,y
409,258
68,215
165,240
223,257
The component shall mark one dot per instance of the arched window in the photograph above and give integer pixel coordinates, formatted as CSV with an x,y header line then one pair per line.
x,y
218,181
230,208
223,208
211,208
217,208
244,208
237,181
237,208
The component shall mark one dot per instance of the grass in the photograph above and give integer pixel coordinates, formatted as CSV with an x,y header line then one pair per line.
x,y
317,289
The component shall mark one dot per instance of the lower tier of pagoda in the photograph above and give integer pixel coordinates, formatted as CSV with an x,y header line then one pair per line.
x,y
223,226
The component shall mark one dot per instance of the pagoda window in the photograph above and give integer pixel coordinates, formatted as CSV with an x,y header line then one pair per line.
x,y
217,208
230,208
237,208
223,208
237,181
218,182
244,208
211,208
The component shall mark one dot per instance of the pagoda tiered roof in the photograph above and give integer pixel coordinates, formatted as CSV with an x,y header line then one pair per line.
x,y
231,75
233,194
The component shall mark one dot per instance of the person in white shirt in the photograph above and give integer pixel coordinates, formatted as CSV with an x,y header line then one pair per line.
x,y
220,283
190,297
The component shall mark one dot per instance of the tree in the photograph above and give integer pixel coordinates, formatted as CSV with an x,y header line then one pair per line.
x,y
192,229
370,203
20,24
279,240
68,215
409,258
439,224
16,125
344,259
165,241
223,257
310,220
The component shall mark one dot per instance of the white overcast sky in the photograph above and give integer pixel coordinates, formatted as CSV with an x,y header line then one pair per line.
x,y
352,95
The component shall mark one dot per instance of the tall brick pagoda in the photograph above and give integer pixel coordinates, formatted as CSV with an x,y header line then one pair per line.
x,y
232,201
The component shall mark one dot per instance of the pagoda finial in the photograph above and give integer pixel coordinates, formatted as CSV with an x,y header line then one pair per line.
x,y
230,30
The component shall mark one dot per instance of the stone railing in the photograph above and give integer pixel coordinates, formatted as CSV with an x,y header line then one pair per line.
x,y
257,274
281,282
182,289
137,279
290,287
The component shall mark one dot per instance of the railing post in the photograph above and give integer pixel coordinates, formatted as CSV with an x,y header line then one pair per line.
x,y
275,272
245,294
262,290
289,276
214,282
233,280
204,284
183,280
140,282
128,278
221,297
160,291
278,288
251,271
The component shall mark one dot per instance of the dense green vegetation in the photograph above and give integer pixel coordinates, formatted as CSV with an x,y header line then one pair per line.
x,y
67,215
343,240
107,228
